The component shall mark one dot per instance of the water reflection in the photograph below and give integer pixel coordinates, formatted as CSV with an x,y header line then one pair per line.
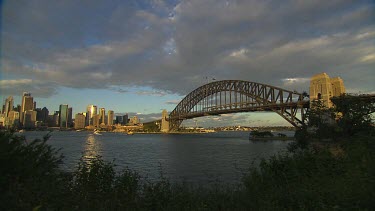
x,y
92,148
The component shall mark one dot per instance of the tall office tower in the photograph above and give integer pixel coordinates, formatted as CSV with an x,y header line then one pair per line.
x,y
125,119
110,118
29,119
8,105
70,117
14,118
102,116
79,121
18,108
39,115
95,120
27,104
63,116
119,120
45,113
34,106
91,111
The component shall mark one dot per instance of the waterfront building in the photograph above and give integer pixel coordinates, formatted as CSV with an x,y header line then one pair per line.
x,y
119,120
90,112
110,118
134,120
55,119
322,88
14,118
70,117
125,119
8,106
79,121
44,115
63,116
95,120
27,104
102,115
29,119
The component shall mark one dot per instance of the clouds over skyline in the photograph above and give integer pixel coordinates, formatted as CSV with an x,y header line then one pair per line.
x,y
171,46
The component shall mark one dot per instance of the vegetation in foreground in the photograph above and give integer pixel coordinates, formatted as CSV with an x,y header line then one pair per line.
x,y
338,176
312,175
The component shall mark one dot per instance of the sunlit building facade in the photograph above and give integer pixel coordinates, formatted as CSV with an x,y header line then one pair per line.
x,y
79,121
110,118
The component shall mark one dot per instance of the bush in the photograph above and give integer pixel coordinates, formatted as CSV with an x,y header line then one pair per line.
x,y
30,176
337,176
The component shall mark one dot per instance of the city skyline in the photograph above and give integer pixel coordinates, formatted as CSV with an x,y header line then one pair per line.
x,y
140,57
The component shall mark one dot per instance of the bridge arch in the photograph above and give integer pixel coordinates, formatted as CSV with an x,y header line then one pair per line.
x,y
233,96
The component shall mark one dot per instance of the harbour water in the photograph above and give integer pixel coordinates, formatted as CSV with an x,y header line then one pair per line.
x,y
193,158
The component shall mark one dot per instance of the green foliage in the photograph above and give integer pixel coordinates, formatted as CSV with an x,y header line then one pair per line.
x,y
29,171
354,114
337,176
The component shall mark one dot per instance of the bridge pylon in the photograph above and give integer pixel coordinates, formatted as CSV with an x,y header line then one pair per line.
x,y
164,122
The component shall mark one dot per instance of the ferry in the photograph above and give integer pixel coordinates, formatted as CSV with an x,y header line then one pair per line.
x,y
97,133
130,133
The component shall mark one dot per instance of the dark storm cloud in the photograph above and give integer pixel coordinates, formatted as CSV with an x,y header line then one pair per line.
x,y
173,46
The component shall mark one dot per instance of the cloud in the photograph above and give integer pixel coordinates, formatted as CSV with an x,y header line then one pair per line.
x,y
152,93
18,86
173,102
171,47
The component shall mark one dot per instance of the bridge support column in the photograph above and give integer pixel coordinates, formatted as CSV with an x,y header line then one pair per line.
x,y
164,123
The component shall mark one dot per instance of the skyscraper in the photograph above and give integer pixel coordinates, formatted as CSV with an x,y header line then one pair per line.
x,y
91,111
8,105
70,117
125,119
63,116
29,119
27,104
79,121
110,118
102,115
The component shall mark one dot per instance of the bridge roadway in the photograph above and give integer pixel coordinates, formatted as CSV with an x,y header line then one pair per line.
x,y
238,109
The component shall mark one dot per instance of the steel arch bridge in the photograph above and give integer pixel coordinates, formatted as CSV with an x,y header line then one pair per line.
x,y
233,96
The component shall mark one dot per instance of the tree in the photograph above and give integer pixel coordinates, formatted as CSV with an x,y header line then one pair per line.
x,y
354,114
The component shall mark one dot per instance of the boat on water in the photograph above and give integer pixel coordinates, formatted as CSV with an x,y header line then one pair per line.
x,y
130,133
21,131
97,133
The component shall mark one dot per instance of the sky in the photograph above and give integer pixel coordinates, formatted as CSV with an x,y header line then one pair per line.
x,y
142,56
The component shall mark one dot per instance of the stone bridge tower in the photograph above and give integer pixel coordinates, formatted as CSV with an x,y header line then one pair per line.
x,y
322,87
164,123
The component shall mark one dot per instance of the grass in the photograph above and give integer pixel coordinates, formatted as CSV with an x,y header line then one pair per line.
x,y
336,176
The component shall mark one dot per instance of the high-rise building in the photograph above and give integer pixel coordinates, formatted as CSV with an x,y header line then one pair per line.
x,y
102,116
8,105
27,104
63,116
95,120
14,118
119,120
45,114
29,119
79,121
70,117
110,118
91,111
125,119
